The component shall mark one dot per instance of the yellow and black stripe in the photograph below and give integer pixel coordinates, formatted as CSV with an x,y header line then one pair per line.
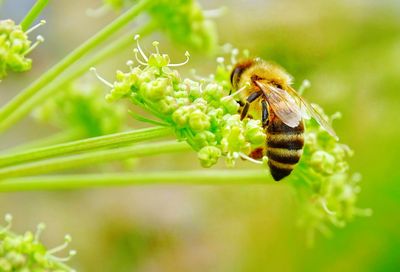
x,y
284,147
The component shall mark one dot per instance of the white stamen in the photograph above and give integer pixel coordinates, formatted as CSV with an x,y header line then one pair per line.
x,y
244,156
8,218
71,253
240,90
39,40
137,36
42,22
234,54
304,85
325,207
155,44
39,230
129,63
220,60
67,240
136,51
187,55
92,69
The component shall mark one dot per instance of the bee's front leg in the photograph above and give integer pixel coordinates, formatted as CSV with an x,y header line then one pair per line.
x,y
252,97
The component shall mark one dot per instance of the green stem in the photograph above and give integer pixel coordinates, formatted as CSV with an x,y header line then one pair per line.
x,y
91,158
33,14
77,54
112,140
202,177
76,71
57,138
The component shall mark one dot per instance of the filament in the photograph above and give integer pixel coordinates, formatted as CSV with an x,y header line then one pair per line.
x,y
325,207
234,54
71,253
67,240
244,156
187,55
129,63
39,40
92,69
42,22
136,51
39,230
137,36
8,218
214,13
155,44
304,85
241,89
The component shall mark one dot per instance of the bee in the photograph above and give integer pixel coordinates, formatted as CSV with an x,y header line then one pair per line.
x,y
265,92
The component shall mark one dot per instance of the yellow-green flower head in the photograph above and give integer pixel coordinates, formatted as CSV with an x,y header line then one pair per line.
x,y
14,46
26,253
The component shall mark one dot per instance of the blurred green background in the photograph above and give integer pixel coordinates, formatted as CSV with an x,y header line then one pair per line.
x,y
349,50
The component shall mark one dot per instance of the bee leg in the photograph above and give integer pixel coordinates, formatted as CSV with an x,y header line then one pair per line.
x,y
240,103
264,113
244,110
249,99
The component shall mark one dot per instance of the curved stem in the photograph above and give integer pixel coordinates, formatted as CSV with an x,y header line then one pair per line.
x,y
77,54
112,140
33,14
200,177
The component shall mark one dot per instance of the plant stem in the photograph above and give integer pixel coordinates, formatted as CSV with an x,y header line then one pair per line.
x,y
111,140
57,138
78,53
201,177
91,158
33,14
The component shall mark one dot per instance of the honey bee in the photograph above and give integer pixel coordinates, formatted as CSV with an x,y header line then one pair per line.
x,y
265,92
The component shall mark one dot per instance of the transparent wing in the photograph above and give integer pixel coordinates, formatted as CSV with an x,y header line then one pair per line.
x,y
283,104
314,114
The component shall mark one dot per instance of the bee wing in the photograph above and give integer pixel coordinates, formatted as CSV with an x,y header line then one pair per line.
x,y
314,114
283,104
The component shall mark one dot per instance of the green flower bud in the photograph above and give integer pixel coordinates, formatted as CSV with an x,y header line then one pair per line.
x,y
181,116
158,60
255,133
167,105
323,162
230,105
213,92
205,138
156,89
209,156
199,121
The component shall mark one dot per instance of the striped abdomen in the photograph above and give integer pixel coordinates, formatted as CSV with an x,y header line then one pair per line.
x,y
284,147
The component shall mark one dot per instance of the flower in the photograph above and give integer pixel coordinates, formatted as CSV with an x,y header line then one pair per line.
x,y
14,46
26,253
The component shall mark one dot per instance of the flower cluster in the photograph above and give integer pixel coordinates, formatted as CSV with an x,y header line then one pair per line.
x,y
14,46
183,20
26,253
80,106
327,190
202,113
205,114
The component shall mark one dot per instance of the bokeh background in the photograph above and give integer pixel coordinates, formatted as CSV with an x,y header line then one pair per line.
x,y
349,50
